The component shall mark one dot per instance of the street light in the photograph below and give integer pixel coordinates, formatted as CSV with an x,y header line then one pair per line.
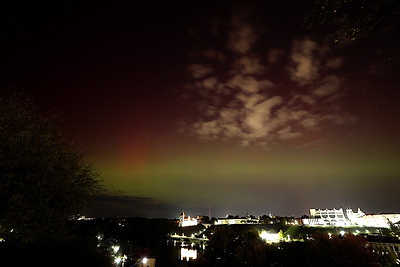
x,y
115,248
117,260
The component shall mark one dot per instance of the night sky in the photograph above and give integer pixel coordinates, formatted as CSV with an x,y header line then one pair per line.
x,y
236,106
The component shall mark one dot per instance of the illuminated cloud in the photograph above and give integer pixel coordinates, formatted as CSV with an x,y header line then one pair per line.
x,y
199,71
328,87
242,36
240,100
258,116
246,83
249,65
306,58
310,123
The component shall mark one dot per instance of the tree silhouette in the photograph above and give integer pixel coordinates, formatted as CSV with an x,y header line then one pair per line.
x,y
349,250
344,21
352,19
43,181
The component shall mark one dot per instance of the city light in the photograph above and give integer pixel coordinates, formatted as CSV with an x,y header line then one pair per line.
x,y
115,248
188,254
270,237
120,260
117,260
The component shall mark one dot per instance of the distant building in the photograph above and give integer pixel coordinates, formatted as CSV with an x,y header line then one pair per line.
x,y
187,254
187,220
145,262
236,220
338,217
378,220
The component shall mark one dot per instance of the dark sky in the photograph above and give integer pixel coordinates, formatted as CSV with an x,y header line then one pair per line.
x,y
232,105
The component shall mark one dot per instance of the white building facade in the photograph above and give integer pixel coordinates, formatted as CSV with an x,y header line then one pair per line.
x,y
338,217
185,221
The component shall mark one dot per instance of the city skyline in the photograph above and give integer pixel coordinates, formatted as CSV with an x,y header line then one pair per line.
x,y
238,106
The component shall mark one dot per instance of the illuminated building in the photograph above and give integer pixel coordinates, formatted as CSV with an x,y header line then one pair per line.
x,y
187,220
337,217
271,237
378,220
147,262
244,220
188,254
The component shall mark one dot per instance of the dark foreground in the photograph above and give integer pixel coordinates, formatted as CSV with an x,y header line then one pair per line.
x,y
106,242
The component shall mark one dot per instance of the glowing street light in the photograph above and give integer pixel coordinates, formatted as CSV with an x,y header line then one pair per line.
x,y
120,260
117,260
115,248
270,237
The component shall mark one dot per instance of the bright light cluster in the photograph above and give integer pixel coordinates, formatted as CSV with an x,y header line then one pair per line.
x,y
270,237
342,218
188,254
119,258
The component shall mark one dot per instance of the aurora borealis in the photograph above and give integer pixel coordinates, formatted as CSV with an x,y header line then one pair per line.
x,y
235,105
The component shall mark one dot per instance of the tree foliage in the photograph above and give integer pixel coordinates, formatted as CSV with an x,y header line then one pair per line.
x,y
235,246
239,246
349,250
344,21
43,181
352,19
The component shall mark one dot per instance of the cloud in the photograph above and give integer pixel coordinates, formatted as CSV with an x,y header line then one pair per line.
x,y
286,133
310,123
245,83
249,65
129,206
243,100
307,99
210,111
207,130
329,86
199,70
258,116
210,83
339,118
249,101
306,56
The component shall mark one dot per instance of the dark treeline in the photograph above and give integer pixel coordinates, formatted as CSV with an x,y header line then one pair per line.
x,y
241,246
91,243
